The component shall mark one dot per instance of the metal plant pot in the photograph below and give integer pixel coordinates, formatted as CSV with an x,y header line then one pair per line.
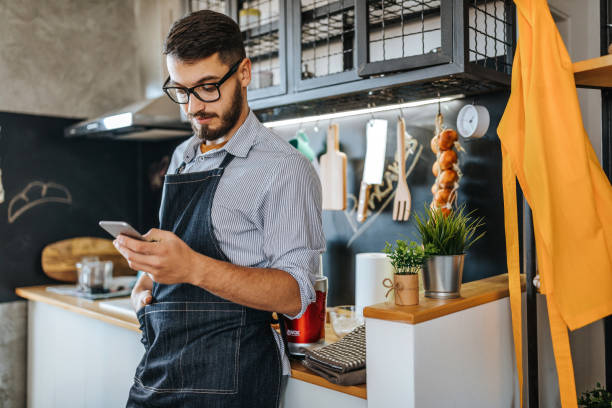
x,y
442,275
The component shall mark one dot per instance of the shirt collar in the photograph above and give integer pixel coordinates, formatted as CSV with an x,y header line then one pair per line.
x,y
238,145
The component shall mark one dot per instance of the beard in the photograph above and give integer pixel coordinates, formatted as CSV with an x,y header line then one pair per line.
x,y
228,119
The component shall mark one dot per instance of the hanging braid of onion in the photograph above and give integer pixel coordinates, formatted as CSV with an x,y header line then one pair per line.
x,y
445,168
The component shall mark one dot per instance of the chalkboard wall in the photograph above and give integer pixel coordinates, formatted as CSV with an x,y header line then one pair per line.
x,y
58,188
96,179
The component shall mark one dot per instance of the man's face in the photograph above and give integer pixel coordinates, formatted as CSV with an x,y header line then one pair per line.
x,y
209,120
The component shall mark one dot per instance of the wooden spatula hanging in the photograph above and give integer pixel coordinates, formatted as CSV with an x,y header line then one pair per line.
x,y
333,172
403,201
59,258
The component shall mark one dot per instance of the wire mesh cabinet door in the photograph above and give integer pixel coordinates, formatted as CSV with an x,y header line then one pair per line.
x,y
263,27
400,35
489,28
323,34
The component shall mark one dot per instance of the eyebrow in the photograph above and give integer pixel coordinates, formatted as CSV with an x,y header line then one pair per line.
x,y
208,78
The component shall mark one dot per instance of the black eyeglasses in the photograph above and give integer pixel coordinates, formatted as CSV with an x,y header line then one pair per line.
x,y
205,92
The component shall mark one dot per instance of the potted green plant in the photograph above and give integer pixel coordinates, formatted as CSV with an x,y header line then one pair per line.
x,y
446,238
407,260
597,398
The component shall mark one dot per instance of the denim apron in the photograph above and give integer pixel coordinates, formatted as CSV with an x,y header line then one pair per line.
x,y
202,350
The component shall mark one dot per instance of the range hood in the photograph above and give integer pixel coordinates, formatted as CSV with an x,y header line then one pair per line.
x,y
157,118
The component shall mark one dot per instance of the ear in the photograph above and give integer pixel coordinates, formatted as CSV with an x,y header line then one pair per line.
x,y
244,72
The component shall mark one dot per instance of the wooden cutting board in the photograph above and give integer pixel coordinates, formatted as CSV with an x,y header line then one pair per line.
x,y
333,172
59,258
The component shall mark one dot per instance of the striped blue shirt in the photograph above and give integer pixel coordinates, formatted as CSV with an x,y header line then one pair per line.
x,y
266,212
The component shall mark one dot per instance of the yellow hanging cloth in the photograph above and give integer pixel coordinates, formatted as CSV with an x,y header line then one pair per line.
x,y
545,146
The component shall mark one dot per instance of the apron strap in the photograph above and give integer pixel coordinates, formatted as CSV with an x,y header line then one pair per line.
x,y
226,160
180,168
283,329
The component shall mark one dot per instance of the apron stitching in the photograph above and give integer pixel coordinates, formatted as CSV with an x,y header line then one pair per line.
x,y
184,390
238,341
192,310
183,350
191,181
191,173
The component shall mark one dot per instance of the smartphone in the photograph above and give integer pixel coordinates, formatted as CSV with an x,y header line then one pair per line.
x,y
121,227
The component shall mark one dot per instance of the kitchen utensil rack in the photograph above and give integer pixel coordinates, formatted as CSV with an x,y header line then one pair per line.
x,y
379,97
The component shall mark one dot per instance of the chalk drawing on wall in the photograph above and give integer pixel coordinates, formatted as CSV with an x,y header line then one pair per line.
x,y
36,193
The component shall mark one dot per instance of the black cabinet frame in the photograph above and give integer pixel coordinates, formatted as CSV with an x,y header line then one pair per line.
x,y
444,73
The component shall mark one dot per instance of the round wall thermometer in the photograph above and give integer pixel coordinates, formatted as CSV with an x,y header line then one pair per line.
x,y
473,121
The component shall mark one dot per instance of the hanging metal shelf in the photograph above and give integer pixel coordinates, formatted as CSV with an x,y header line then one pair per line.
x,y
349,54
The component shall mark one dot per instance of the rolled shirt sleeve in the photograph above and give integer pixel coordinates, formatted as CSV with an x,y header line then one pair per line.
x,y
293,230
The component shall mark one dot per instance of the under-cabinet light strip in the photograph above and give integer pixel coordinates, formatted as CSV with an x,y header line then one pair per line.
x,y
365,111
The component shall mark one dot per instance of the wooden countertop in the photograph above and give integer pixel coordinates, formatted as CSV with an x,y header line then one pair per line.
x,y
472,294
89,308
92,309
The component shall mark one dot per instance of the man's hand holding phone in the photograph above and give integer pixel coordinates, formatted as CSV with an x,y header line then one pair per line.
x,y
163,255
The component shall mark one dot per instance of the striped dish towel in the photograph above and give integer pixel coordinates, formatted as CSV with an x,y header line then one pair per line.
x,y
342,362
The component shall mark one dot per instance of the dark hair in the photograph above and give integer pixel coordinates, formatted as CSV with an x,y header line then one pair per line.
x,y
202,34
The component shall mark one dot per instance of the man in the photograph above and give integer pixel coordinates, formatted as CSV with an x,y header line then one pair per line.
x,y
240,236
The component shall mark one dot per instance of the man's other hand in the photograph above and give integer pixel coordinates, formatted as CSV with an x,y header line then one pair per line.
x,y
141,292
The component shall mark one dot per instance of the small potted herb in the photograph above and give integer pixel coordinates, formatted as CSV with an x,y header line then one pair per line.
x,y
447,239
597,398
407,260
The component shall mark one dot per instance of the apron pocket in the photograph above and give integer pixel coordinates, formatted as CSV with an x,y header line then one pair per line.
x,y
193,347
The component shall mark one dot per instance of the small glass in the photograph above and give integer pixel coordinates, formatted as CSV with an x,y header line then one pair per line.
x,y
94,276
344,319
